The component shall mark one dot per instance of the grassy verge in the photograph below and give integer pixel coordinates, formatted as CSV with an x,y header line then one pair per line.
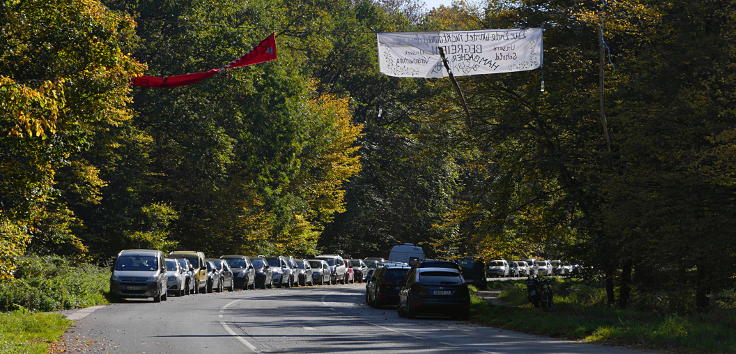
x,y
23,331
52,283
577,315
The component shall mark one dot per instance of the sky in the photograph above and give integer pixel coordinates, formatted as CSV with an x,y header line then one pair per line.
x,y
435,3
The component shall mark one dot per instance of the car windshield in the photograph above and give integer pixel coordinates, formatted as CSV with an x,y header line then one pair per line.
x,y
273,262
497,264
300,264
395,274
194,261
258,263
330,261
235,262
182,263
370,263
540,263
436,277
171,265
210,266
470,265
315,264
136,263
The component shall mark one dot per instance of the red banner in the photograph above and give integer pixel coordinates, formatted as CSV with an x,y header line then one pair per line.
x,y
263,52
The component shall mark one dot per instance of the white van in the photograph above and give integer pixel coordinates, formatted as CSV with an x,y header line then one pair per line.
x,y
406,253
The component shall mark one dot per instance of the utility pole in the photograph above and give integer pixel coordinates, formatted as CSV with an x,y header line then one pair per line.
x,y
468,119
601,81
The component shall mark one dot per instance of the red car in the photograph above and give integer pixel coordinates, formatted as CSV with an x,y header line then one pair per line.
x,y
349,273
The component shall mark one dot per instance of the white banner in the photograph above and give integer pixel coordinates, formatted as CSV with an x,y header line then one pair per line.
x,y
416,54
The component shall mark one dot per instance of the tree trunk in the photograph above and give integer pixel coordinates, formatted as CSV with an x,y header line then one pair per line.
x,y
609,287
624,291
702,290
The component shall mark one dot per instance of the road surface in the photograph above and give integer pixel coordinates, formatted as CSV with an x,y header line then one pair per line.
x,y
311,319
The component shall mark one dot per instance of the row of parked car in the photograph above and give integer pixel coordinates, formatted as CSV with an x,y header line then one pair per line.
x,y
523,268
148,273
426,286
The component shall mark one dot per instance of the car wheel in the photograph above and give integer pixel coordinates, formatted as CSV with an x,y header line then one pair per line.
x,y
222,287
157,298
164,296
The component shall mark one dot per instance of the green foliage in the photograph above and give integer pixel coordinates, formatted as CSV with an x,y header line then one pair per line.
x,y
51,283
23,331
156,221
580,314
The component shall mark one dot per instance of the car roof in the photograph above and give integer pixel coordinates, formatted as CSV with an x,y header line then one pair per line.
x,y
437,269
140,252
316,260
232,256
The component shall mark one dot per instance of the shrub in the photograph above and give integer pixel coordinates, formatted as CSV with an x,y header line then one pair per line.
x,y
51,283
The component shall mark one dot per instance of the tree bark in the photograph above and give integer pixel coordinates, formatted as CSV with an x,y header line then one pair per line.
x,y
624,291
702,301
609,287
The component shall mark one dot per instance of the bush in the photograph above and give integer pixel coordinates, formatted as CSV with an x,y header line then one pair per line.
x,y
51,283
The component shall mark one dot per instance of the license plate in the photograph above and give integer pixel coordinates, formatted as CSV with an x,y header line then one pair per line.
x,y
442,292
134,287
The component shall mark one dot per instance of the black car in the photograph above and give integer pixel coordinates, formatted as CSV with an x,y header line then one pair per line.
x,y
434,290
263,277
243,272
474,272
383,288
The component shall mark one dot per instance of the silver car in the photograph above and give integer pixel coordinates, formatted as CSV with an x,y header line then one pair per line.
x,y
175,278
139,273
498,267
337,267
543,268
281,273
188,270
321,273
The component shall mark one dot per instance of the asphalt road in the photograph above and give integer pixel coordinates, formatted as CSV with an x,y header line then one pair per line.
x,y
312,319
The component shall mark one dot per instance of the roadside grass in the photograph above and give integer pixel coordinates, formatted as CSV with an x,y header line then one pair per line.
x,y
52,283
22,331
578,315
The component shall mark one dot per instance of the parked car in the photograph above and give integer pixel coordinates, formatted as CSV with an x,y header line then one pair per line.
x,y
294,270
359,269
542,268
434,290
567,268
175,278
372,262
349,272
474,272
321,272
214,281
407,253
556,267
281,273
437,263
337,267
243,272
532,268
188,275
514,269
383,287
139,274
263,277
369,276
197,259
304,273
498,267
226,274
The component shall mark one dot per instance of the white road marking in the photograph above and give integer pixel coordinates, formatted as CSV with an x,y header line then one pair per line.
x,y
308,328
80,314
232,333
